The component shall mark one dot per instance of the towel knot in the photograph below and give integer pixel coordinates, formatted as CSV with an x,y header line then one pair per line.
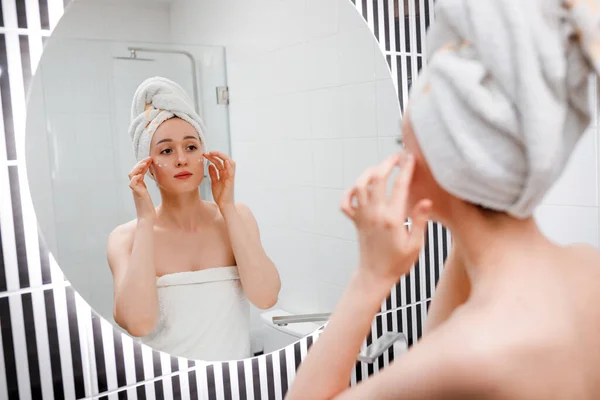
x,y
155,101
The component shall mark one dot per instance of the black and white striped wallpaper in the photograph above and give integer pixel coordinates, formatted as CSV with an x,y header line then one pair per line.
x,y
52,345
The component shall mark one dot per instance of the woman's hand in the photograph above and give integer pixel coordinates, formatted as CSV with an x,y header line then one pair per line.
x,y
222,182
143,202
387,249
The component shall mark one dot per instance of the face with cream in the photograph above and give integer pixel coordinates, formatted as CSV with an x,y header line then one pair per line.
x,y
177,160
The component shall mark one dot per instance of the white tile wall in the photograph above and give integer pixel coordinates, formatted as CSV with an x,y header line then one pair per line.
x,y
305,122
290,116
329,163
355,48
295,163
325,113
323,69
569,224
330,221
322,18
311,109
348,18
358,114
333,256
299,207
570,212
359,154
136,20
329,296
388,109
577,185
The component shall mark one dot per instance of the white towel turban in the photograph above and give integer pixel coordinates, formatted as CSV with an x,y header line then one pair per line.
x,y
504,99
155,101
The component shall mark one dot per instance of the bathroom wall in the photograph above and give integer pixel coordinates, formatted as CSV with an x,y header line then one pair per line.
x,y
571,211
320,96
308,113
52,343
154,25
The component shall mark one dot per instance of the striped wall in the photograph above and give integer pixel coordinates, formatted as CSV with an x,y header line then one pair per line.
x,y
52,345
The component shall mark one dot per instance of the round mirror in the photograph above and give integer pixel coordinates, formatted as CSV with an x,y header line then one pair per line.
x,y
186,161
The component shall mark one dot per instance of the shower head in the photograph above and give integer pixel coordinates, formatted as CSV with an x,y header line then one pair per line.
x,y
133,57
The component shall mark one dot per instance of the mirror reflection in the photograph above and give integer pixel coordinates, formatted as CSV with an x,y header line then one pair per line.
x,y
186,252
186,174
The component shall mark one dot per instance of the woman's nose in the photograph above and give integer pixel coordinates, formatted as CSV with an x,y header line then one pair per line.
x,y
181,160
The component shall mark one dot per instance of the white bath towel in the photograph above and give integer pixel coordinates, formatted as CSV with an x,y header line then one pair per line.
x,y
155,101
203,315
504,98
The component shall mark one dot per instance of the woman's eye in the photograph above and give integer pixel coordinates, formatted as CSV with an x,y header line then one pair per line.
x,y
166,151
192,147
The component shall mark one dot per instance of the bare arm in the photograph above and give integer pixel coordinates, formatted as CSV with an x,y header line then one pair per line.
x,y
131,258
452,291
434,369
326,371
387,251
258,273
130,253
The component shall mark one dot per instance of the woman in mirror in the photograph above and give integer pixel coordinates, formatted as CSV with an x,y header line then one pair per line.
x,y
491,124
185,271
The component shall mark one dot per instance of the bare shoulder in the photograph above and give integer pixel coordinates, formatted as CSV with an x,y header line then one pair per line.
x,y
120,241
584,257
244,210
123,231
586,252
448,363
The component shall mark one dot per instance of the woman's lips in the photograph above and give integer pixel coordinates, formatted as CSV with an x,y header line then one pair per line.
x,y
183,175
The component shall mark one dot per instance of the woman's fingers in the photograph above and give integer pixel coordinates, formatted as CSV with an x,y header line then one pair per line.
x,y
362,187
221,155
143,165
146,166
347,205
372,184
215,160
399,196
379,179
212,172
223,163
420,216
137,184
228,172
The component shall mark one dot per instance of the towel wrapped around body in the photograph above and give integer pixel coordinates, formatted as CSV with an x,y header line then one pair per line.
x,y
203,315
